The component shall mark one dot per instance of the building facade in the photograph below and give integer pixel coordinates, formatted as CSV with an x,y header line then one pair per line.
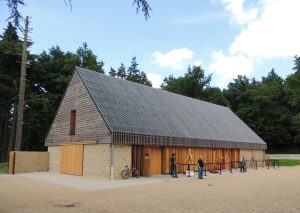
x,y
104,123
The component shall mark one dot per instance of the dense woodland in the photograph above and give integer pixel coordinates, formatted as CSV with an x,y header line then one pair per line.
x,y
270,106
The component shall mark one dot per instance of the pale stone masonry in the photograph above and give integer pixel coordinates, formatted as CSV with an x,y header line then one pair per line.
x,y
122,158
54,159
31,162
96,160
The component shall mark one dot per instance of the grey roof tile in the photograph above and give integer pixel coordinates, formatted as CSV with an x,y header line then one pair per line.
x,y
133,108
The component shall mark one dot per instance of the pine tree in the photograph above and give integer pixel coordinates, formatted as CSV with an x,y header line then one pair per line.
x,y
112,72
121,71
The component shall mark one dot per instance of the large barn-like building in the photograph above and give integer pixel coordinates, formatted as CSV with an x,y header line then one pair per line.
x,y
105,123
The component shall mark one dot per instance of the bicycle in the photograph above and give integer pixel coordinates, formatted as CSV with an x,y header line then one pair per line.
x,y
130,172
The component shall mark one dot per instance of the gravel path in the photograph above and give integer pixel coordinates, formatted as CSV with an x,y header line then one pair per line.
x,y
263,190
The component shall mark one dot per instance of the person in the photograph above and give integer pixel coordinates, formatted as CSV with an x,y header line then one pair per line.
x,y
243,165
173,166
200,168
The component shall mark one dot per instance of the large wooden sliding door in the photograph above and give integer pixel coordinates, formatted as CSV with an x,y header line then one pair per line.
x,y
71,161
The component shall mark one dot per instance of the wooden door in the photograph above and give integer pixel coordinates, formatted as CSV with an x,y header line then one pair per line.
x,y
156,160
71,161
147,161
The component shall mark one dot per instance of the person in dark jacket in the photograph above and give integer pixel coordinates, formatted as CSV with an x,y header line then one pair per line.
x,y
200,168
243,165
173,166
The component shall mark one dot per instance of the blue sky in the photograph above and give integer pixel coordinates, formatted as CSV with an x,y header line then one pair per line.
x,y
227,37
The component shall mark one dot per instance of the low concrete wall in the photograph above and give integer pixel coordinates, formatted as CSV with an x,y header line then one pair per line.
x,y
25,162
285,156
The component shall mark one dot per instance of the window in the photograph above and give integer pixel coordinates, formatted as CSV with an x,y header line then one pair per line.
x,y
72,122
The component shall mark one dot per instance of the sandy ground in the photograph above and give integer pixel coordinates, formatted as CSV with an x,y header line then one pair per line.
x,y
263,190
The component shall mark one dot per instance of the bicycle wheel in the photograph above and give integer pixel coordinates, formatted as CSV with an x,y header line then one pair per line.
x,y
136,173
125,174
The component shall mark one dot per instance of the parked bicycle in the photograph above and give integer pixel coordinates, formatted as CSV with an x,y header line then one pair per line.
x,y
130,172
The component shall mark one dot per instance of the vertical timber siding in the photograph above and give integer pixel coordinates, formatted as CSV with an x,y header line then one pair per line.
x,y
89,123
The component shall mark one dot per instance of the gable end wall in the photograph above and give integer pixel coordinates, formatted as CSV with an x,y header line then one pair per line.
x,y
90,126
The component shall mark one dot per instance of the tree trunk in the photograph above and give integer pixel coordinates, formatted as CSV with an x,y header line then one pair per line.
x,y
4,139
1,133
13,128
18,143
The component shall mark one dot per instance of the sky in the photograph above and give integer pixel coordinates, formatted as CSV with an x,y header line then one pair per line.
x,y
226,37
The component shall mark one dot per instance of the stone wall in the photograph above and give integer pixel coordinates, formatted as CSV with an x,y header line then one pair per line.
x,y
122,158
54,159
97,160
31,162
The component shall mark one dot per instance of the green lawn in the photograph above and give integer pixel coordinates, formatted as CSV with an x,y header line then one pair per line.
x,y
3,169
288,162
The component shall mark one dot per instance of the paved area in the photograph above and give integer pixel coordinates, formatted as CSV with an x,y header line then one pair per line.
x,y
262,190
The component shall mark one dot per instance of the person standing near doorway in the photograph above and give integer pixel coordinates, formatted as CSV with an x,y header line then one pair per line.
x,y
173,166
200,168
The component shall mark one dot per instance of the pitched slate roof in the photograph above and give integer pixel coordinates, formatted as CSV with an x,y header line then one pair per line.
x,y
132,108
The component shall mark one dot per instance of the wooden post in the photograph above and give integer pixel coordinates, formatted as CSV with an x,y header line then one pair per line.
x,y
11,163
22,91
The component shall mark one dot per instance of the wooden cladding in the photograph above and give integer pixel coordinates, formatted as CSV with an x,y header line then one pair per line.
x,y
72,122
153,140
147,159
71,161
155,160
209,155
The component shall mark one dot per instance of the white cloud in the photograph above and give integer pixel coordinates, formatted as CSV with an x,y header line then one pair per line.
x,y
155,79
239,13
197,63
176,59
269,32
228,67
274,34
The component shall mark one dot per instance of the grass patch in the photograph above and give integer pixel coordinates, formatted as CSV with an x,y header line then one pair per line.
x,y
288,162
3,169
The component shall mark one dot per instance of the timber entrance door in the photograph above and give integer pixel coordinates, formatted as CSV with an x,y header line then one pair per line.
x,y
71,160
147,159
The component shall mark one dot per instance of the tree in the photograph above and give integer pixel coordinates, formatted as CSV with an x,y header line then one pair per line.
x,y
112,72
121,72
88,59
236,91
265,111
10,55
135,75
292,91
15,14
215,95
192,84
